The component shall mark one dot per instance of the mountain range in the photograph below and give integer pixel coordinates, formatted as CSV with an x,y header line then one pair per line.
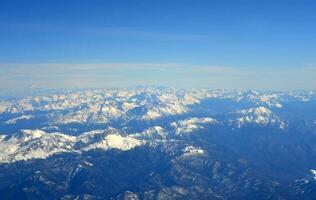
x,y
159,143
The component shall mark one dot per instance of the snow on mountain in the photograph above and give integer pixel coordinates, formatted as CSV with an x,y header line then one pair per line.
x,y
80,116
115,141
192,151
31,134
191,124
152,133
259,99
44,146
2,137
37,144
259,115
23,117
162,105
313,172
90,137
160,113
144,104
104,106
4,106
309,179
304,96
106,139
189,99
257,111
32,144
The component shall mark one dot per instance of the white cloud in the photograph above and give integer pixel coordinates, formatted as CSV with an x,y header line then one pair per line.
x,y
23,77
259,78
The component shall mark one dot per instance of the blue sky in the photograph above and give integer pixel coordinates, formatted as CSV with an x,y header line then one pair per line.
x,y
217,44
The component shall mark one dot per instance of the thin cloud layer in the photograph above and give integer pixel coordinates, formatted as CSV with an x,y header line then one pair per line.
x,y
17,78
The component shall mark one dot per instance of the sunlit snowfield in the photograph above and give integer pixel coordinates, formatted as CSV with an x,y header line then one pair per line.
x,y
159,143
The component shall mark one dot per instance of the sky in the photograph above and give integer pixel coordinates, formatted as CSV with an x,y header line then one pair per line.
x,y
236,44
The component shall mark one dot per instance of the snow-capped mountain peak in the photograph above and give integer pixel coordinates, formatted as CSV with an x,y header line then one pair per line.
x,y
191,124
30,144
31,134
192,151
259,111
258,115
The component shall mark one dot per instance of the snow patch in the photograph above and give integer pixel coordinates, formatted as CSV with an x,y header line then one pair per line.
x,y
192,151
115,141
191,124
15,120
313,171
